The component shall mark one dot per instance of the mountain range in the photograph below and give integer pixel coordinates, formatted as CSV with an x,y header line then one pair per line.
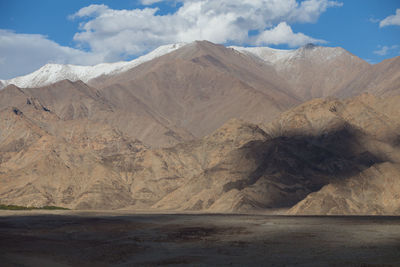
x,y
203,127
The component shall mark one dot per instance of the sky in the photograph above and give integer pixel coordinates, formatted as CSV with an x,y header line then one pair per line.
x,y
88,32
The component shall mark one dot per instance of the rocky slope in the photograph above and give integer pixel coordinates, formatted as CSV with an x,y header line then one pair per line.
x,y
315,147
372,191
71,101
55,161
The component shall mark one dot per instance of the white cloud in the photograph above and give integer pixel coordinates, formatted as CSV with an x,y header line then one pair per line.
x,y
391,20
374,20
150,2
23,53
119,33
91,10
309,11
283,34
384,50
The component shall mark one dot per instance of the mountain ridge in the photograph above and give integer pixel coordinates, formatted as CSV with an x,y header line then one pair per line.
x,y
51,73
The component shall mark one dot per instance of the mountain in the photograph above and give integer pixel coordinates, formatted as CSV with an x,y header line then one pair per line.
x,y
312,71
211,129
201,86
308,72
188,92
238,168
52,73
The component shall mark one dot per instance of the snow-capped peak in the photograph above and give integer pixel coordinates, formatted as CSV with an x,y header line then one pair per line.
x,y
275,56
51,73
267,54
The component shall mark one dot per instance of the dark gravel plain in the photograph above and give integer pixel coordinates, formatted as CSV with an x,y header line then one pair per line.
x,y
71,238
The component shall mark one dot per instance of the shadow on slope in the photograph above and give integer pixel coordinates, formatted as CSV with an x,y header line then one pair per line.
x,y
293,165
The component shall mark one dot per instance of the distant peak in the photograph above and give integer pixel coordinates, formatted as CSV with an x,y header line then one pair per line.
x,y
205,43
310,46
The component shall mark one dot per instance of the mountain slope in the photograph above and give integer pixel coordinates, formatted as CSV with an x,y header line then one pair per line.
x,y
372,191
382,79
66,167
238,168
312,71
202,85
75,100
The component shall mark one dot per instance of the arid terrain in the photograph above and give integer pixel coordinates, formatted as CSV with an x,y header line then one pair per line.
x,y
200,133
70,238
208,128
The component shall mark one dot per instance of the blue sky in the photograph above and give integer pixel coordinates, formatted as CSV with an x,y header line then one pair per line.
x,y
84,32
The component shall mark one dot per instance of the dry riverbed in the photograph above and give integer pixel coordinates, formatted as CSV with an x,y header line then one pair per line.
x,y
72,238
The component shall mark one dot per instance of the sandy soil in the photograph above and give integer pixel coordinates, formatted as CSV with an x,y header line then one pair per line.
x,y
70,238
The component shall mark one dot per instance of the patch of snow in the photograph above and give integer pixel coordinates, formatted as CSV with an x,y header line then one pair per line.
x,y
51,73
284,57
268,54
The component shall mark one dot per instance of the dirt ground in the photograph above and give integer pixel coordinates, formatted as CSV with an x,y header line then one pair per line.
x,y
70,238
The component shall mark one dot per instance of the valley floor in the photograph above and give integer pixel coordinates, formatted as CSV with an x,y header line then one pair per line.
x,y
65,238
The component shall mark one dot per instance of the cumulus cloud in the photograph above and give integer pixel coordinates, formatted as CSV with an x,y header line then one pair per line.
x,y
22,53
91,10
309,11
391,20
384,50
119,33
283,34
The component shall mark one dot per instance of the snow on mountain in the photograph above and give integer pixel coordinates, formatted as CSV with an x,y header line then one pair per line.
x,y
312,71
51,73
267,54
280,57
